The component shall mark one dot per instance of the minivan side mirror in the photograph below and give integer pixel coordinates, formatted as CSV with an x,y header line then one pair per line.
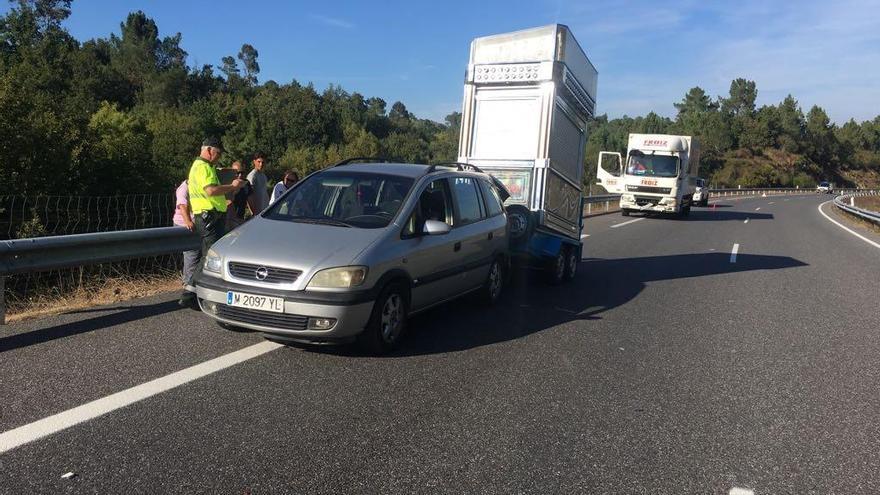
x,y
435,227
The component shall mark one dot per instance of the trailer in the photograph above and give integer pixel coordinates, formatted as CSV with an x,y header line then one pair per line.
x,y
528,96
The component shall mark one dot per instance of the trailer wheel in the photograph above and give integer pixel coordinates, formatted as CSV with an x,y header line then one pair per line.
x,y
571,263
555,271
520,223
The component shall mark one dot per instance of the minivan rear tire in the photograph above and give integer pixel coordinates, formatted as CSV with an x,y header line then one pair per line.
x,y
491,291
387,322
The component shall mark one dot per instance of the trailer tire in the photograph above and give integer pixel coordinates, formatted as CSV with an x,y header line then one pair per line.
x,y
571,263
555,271
520,223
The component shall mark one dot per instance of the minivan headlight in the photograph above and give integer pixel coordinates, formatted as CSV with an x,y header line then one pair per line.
x,y
213,262
343,277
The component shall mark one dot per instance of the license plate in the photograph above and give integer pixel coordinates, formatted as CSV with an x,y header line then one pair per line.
x,y
251,301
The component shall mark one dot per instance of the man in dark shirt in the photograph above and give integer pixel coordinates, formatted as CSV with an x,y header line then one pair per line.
x,y
240,201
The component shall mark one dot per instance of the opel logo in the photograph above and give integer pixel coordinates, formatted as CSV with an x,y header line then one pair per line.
x,y
261,273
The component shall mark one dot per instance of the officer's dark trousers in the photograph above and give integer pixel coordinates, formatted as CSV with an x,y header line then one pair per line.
x,y
211,226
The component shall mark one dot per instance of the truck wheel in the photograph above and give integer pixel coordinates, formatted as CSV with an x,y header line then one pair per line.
x,y
387,322
556,267
624,212
571,263
686,211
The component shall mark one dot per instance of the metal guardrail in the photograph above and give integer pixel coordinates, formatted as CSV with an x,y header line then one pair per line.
x,y
868,215
66,251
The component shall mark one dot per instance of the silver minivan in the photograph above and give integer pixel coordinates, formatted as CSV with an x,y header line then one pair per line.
x,y
352,251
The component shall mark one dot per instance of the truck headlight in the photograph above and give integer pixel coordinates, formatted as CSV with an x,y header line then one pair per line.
x,y
629,198
213,262
343,277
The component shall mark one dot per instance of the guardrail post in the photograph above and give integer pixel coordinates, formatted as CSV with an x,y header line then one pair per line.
x,y
852,200
606,207
589,209
2,300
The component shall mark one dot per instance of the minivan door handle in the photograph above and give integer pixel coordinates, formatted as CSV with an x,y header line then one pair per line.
x,y
457,247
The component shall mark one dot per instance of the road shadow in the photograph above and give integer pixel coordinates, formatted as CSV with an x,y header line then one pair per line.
x,y
529,306
708,215
120,315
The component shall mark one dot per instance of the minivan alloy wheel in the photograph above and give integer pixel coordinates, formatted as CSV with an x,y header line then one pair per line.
x,y
495,281
391,317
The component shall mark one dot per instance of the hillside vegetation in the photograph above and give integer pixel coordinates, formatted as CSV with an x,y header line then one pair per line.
x,y
774,145
125,114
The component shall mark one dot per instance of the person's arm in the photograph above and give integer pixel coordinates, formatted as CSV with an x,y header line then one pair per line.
x,y
218,190
184,211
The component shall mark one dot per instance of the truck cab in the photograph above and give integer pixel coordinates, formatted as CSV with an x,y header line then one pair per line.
x,y
657,175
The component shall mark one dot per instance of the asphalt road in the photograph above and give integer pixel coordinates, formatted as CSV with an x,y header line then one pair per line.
x,y
665,367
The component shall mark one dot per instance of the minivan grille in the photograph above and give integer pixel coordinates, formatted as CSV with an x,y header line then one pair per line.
x,y
273,275
263,318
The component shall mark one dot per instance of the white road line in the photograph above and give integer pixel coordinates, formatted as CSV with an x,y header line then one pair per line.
x,y
835,222
758,208
585,236
746,220
740,491
733,253
772,203
626,223
72,417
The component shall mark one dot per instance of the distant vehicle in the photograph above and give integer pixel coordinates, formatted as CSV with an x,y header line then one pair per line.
x,y
825,187
701,193
658,176
528,97
352,251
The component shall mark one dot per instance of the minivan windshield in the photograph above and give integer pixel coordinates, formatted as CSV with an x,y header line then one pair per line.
x,y
652,165
343,199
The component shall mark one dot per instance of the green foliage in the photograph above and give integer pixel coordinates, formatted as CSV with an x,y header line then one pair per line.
x,y
125,114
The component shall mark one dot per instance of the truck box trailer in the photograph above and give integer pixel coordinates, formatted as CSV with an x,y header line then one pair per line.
x,y
658,175
528,96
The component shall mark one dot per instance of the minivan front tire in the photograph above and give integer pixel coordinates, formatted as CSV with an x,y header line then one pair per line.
x,y
388,321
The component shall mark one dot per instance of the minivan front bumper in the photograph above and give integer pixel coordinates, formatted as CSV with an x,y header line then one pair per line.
x,y
351,313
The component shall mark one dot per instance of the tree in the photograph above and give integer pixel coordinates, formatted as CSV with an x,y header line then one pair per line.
x,y
248,56
695,100
741,101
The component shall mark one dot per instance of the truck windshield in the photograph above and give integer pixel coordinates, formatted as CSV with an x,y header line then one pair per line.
x,y
343,199
652,165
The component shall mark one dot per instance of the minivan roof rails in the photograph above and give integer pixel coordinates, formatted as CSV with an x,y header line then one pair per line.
x,y
460,166
360,159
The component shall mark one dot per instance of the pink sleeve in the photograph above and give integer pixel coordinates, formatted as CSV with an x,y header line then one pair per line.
x,y
182,195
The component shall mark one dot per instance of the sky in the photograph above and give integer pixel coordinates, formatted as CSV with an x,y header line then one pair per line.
x,y
648,53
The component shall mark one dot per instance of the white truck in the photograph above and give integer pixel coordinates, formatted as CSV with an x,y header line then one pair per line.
x,y
528,96
659,174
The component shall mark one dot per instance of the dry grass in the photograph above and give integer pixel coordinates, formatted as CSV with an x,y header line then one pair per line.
x,y
868,202
855,221
107,291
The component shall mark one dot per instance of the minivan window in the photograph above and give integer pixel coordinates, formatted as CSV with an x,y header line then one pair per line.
x,y
434,204
343,199
493,201
467,200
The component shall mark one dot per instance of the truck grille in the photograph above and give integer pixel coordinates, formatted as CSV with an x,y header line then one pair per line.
x,y
649,189
262,318
643,200
273,275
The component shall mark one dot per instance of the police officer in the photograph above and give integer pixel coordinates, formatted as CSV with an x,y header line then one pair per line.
x,y
207,198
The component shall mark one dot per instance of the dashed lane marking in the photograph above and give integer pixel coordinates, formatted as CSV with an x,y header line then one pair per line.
x,y
733,253
746,220
740,491
758,208
835,222
626,223
91,410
